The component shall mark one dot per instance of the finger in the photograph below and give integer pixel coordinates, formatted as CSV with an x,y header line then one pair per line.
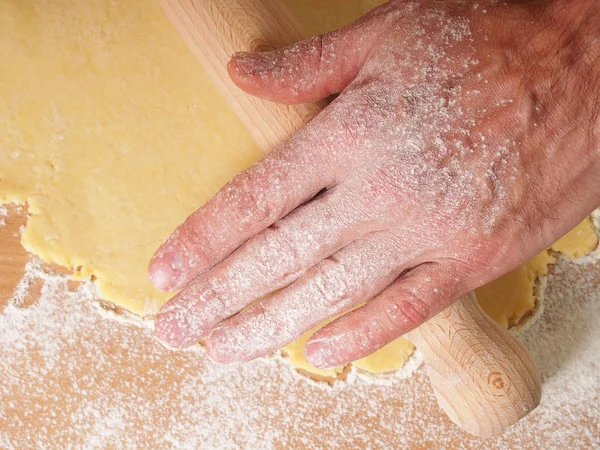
x,y
309,70
252,201
408,302
351,276
269,261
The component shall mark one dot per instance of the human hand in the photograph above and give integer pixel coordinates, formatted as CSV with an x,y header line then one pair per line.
x,y
462,133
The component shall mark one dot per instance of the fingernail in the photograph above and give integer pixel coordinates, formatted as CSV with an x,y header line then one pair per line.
x,y
171,327
166,272
217,354
250,63
320,355
225,346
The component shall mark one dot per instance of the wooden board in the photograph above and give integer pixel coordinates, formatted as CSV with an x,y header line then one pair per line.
x,y
151,385
12,255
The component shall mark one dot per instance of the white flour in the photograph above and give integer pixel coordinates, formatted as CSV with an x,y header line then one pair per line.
x,y
3,215
72,379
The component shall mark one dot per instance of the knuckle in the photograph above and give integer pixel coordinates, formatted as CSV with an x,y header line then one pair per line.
x,y
479,259
196,236
335,209
275,256
407,312
319,48
327,51
248,201
330,284
217,295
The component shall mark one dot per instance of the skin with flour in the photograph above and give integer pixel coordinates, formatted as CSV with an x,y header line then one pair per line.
x,y
464,141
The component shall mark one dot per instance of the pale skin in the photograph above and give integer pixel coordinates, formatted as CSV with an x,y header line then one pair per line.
x,y
464,140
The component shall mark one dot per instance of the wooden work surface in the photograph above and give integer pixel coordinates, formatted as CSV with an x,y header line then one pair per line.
x,y
74,377
114,386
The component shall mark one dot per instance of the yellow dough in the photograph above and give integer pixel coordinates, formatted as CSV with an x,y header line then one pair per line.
x,y
113,134
295,352
579,242
509,298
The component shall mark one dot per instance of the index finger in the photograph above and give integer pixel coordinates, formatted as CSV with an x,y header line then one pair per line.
x,y
252,201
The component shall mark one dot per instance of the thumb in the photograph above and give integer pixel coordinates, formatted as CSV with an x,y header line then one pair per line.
x,y
309,70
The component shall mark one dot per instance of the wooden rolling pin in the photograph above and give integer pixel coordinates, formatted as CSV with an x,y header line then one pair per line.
x,y
483,377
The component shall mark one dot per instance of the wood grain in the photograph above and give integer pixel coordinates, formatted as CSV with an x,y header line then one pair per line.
x,y
231,27
483,377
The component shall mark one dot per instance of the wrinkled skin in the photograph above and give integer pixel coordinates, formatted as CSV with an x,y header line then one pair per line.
x,y
465,140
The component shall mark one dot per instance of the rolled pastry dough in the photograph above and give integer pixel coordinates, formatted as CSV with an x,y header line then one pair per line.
x,y
112,134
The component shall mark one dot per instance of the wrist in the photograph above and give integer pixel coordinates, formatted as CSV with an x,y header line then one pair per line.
x,y
580,13
558,46
573,56
580,23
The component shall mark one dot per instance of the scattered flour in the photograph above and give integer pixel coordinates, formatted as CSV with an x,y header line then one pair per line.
x,y
3,215
72,379
595,255
596,219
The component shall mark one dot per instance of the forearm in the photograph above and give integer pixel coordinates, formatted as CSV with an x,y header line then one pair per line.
x,y
566,103
579,55
578,52
561,52
548,53
589,27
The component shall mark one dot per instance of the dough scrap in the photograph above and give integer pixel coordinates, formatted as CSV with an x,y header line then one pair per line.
x,y
113,134
511,297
